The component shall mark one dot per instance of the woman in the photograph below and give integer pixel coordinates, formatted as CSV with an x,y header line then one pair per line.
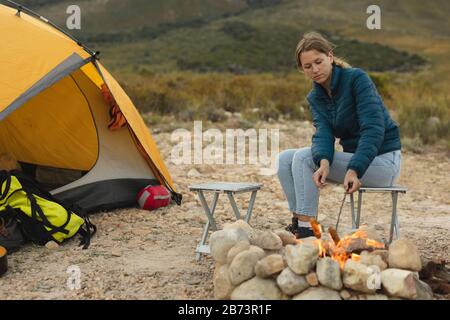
x,y
345,104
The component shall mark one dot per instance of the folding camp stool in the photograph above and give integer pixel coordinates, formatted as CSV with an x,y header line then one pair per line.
x,y
395,190
230,188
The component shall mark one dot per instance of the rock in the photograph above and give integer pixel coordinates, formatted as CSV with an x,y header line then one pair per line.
x,y
239,224
424,291
216,267
257,289
269,265
223,240
405,284
403,254
309,240
369,297
222,284
319,293
399,283
370,259
116,253
372,233
193,173
358,277
302,257
329,273
52,245
291,283
270,252
266,240
345,294
237,248
384,254
243,266
286,237
312,280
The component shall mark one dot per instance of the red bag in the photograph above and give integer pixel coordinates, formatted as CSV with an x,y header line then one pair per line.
x,y
153,197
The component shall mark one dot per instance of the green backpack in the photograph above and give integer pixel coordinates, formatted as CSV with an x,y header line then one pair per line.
x,y
38,216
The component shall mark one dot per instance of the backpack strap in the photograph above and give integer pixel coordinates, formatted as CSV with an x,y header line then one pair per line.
x,y
5,177
33,189
88,233
32,185
36,210
88,230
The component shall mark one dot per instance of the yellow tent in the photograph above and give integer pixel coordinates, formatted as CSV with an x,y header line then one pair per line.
x,y
63,116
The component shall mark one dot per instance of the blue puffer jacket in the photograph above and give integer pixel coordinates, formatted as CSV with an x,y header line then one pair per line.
x,y
356,114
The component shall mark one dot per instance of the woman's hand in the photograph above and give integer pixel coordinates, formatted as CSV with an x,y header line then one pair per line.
x,y
351,181
320,176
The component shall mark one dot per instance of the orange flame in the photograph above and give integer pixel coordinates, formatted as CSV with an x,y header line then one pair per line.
x,y
321,248
356,257
375,244
339,252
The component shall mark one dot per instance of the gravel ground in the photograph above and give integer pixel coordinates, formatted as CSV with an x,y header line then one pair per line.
x,y
138,254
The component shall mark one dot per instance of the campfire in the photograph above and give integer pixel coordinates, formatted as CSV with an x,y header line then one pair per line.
x,y
349,247
256,264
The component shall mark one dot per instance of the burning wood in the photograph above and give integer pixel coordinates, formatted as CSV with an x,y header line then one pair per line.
x,y
357,245
321,268
334,235
346,248
316,228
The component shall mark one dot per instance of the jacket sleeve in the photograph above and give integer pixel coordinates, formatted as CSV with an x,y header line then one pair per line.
x,y
323,139
369,109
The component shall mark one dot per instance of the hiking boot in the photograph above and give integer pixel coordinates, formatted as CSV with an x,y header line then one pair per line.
x,y
303,232
292,228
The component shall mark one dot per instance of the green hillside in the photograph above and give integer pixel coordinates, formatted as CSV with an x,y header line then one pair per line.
x,y
112,16
223,36
194,59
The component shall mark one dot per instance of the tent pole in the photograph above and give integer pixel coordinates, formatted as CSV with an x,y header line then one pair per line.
x,y
21,8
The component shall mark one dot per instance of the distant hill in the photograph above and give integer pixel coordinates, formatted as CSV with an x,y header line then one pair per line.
x,y
196,59
244,36
104,16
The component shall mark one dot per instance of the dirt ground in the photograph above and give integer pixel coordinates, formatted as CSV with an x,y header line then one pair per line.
x,y
138,254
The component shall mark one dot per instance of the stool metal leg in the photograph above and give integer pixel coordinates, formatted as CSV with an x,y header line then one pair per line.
x,y
394,219
352,205
201,248
358,212
233,205
202,242
206,208
250,207
397,224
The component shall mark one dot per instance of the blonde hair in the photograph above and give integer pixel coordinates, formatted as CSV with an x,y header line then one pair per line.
x,y
315,41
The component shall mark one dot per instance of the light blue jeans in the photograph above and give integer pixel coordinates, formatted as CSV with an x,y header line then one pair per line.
x,y
296,168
